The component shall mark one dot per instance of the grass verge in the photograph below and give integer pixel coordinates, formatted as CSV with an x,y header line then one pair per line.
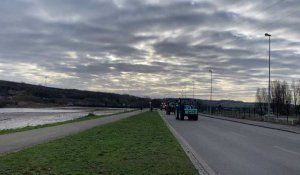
x,y
141,144
88,117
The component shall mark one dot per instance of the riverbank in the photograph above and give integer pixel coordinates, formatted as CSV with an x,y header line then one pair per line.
x,y
89,116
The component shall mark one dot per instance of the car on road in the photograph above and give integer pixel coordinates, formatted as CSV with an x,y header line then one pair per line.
x,y
186,107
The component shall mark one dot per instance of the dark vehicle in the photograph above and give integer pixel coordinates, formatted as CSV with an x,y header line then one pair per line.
x,y
186,107
171,107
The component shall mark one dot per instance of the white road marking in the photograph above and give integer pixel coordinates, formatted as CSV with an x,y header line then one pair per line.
x,y
286,150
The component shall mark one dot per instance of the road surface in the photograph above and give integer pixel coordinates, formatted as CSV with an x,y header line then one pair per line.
x,y
230,148
20,140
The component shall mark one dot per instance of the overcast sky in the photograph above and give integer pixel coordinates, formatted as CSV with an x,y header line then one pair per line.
x,y
150,47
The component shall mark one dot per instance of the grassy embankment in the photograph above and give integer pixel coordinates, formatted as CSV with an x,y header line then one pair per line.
x,y
88,117
141,144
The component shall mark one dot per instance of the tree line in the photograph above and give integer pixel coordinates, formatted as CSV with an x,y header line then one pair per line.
x,y
285,98
14,94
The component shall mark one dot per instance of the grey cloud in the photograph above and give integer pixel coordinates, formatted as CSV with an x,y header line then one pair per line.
x,y
173,42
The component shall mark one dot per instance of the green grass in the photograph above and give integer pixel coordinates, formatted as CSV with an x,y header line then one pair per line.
x,y
88,117
141,144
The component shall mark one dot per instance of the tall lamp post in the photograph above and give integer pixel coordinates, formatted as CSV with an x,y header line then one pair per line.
x,y
269,91
211,77
150,105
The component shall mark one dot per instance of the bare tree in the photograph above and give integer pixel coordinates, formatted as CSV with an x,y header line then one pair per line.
x,y
281,97
287,98
295,95
261,100
276,96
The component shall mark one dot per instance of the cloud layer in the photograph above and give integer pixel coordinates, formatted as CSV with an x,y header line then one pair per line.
x,y
150,48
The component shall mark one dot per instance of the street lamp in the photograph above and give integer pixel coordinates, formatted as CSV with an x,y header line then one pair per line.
x,y
150,104
211,72
269,93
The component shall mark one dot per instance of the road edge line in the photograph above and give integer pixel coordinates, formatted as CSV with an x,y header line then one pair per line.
x,y
201,166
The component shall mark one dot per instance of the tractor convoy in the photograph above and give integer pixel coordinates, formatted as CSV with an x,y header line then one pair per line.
x,y
182,107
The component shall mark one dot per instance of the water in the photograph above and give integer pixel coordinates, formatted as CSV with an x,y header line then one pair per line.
x,y
11,118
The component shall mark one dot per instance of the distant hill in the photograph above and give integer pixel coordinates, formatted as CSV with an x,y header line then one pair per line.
x,y
228,103
14,94
223,103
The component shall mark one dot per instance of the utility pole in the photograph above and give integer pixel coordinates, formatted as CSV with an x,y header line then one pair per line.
x,y
211,88
150,105
46,77
269,92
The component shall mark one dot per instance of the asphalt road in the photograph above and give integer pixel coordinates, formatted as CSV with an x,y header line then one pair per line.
x,y
230,148
20,140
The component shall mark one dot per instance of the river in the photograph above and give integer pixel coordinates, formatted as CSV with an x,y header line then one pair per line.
x,y
11,118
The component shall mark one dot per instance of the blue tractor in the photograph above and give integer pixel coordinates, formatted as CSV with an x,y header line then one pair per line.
x,y
186,107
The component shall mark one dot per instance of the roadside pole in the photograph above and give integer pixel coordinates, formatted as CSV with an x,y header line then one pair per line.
x,y
150,105
211,77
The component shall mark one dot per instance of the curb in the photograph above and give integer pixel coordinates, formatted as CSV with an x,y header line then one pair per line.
x,y
268,127
198,162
